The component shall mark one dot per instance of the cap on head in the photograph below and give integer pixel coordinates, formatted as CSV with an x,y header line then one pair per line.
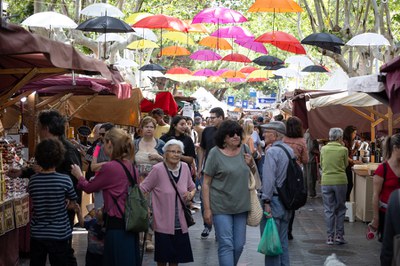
x,y
276,125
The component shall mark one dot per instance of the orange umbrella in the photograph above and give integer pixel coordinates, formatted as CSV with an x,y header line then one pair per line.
x,y
199,28
276,6
235,57
215,42
174,51
179,70
233,74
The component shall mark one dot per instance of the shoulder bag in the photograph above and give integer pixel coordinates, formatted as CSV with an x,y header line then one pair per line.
x,y
188,214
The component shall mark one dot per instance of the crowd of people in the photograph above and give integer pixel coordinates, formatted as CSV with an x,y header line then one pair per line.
x,y
173,158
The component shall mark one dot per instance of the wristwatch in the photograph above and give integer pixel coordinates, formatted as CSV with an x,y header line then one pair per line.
x,y
266,201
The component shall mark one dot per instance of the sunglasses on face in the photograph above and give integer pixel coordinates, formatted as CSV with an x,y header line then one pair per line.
x,y
238,132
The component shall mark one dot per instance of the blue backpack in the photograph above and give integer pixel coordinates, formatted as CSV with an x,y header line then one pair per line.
x,y
292,193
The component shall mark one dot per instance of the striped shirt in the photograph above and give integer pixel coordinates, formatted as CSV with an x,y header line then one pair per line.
x,y
48,193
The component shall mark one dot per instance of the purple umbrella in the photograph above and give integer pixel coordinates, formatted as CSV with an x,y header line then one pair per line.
x,y
205,55
220,71
233,32
218,15
204,73
252,45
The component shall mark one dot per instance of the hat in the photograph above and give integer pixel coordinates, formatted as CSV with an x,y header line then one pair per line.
x,y
277,126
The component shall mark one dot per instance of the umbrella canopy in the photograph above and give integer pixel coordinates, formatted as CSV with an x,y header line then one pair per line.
x,y
233,74
180,37
260,74
153,74
325,41
216,43
204,72
179,70
135,17
199,27
235,57
220,71
268,60
248,69
315,68
235,80
152,67
283,41
104,24
49,20
250,44
161,22
276,6
215,79
368,39
147,34
287,73
174,51
274,67
257,79
233,32
205,55
126,63
299,60
110,37
102,9
218,15
142,44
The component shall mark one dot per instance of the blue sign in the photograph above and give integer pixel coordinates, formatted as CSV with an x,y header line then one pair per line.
x,y
273,95
266,100
245,103
231,100
253,94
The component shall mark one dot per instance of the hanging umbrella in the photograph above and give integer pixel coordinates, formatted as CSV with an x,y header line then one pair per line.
x,y
219,72
142,44
179,70
260,74
276,6
104,24
215,79
233,32
315,68
198,27
216,43
101,9
126,63
218,15
274,67
181,77
110,37
160,22
235,80
147,34
204,72
283,41
152,74
250,44
235,57
248,69
268,60
287,73
49,20
135,17
179,37
205,55
174,51
299,60
368,39
233,74
325,41
152,67
257,79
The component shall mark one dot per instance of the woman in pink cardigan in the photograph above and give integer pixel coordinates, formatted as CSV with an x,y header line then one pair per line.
x,y
172,243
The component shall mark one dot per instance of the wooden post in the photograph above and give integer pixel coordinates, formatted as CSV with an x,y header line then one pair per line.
x,y
31,123
372,127
390,121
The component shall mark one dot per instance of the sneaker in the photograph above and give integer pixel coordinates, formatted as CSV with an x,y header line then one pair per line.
x,y
149,246
330,240
205,233
340,240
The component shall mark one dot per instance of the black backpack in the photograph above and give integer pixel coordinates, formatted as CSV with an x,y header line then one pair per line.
x,y
292,193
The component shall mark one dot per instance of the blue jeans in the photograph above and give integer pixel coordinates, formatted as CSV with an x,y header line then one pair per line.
x,y
281,217
230,230
334,200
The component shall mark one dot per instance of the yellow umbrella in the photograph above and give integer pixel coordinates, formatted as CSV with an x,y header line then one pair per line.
x,y
142,44
179,37
174,51
260,74
135,17
214,42
215,79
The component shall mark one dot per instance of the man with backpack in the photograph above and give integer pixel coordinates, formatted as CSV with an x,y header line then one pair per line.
x,y
274,175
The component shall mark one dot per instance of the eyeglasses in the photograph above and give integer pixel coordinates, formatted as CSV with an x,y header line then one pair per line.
x,y
237,132
102,134
212,117
175,152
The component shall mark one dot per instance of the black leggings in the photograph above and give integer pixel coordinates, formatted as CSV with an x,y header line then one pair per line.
x,y
349,175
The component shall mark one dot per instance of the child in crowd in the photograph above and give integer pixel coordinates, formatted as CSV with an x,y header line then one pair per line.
x,y
49,191
96,232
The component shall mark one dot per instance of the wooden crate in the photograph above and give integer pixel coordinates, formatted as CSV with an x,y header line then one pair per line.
x,y
9,223
21,210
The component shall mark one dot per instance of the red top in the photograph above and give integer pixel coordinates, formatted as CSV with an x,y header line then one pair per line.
x,y
390,183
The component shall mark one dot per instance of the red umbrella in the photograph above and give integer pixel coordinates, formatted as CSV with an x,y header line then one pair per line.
x,y
248,69
257,79
179,70
283,41
235,57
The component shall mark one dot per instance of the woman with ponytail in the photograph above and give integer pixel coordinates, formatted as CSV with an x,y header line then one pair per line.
x,y
386,180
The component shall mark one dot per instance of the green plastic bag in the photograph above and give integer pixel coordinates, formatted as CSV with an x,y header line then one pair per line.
x,y
270,243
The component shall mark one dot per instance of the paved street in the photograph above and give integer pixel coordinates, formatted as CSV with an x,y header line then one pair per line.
x,y
307,248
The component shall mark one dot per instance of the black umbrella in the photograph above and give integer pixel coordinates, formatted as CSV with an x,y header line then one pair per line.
x,y
152,67
104,24
268,60
325,41
276,77
314,68
275,67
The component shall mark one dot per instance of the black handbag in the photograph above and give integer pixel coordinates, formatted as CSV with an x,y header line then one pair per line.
x,y
188,214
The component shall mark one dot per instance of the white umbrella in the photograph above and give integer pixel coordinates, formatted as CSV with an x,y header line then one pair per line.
x,y
299,60
287,73
368,39
155,74
110,37
49,20
145,34
126,63
101,9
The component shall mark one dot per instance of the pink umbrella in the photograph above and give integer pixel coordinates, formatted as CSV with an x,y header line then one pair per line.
x,y
218,15
204,73
235,57
235,80
234,32
205,55
252,45
220,71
